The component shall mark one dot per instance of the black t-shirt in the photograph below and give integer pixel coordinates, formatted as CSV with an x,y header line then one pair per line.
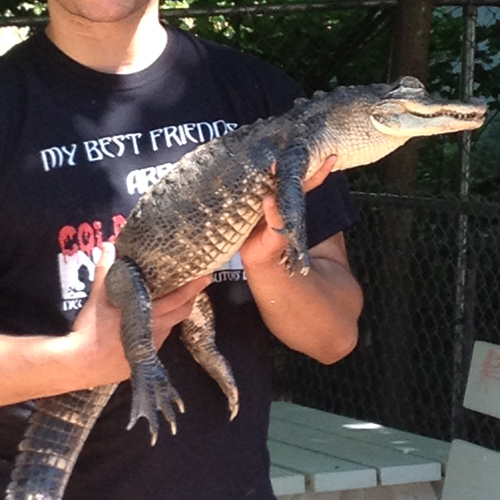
x,y
77,149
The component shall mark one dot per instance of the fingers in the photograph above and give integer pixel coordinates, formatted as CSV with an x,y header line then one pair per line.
x,y
106,260
271,213
270,241
175,307
178,298
162,324
318,178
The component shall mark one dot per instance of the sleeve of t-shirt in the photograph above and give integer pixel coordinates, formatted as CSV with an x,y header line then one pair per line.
x,y
12,104
270,91
329,209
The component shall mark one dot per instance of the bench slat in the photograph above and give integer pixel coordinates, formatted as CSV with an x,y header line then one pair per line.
x,y
472,474
286,482
412,444
393,466
322,472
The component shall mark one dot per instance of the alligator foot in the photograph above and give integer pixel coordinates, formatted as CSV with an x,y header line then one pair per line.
x,y
152,391
198,335
151,387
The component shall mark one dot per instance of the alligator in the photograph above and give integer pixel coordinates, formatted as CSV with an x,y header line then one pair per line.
x,y
194,219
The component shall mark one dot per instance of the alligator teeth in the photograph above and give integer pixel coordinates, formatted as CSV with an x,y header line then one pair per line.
x,y
458,116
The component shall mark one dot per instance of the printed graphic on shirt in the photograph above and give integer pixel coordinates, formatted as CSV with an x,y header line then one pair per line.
x,y
80,250
134,143
232,271
81,247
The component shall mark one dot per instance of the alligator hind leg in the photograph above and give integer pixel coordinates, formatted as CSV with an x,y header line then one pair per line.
x,y
198,335
152,390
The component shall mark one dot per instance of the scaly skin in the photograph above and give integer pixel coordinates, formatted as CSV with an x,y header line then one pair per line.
x,y
198,216
52,442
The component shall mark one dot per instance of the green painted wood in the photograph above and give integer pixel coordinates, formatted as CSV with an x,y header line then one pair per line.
x,y
473,473
286,482
393,466
322,472
405,442
483,385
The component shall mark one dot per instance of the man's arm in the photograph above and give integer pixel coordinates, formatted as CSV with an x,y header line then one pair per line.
x,y
315,314
92,354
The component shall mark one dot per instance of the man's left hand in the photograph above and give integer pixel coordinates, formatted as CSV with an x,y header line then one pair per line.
x,y
265,244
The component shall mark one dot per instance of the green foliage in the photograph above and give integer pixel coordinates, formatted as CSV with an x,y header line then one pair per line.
x,y
317,48
24,9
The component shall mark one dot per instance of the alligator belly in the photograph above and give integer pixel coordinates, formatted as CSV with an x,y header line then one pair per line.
x,y
197,247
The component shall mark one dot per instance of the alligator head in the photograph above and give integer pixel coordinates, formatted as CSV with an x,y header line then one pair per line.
x,y
366,123
405,109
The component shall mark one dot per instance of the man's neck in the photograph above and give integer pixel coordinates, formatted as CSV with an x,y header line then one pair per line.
x,y
120,47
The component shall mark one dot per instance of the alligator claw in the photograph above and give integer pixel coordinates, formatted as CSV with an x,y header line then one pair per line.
x,y
295,261
295,257
198,335
152,391
234,406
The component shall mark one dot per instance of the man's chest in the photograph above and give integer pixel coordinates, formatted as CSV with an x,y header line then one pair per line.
x,y
76,171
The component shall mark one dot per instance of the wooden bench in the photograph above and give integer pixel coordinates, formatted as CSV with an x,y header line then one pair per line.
x,y
321,456
473,471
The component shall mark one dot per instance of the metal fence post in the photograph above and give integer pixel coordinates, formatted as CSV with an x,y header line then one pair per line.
x,y
462,334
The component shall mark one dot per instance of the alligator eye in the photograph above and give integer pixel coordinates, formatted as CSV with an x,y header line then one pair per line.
x,y
411,83
406,92
407,86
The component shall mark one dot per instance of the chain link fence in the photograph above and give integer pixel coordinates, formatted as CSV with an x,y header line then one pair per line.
x,y
427,258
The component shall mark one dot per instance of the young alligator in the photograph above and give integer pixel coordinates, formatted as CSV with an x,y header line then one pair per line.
x,y
194,219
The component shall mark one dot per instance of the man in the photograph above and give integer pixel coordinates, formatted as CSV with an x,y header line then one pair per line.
x,y
93,111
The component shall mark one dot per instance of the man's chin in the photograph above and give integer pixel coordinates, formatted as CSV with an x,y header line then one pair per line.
x,y
103,11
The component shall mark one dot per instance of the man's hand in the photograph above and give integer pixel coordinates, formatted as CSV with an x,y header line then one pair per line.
x,y
91,355
265,244
97,327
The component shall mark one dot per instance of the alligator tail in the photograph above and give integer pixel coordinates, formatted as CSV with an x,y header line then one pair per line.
x,y
52,442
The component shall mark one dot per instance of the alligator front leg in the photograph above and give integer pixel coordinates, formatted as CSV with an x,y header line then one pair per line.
x,y
291,168
198,335
152,390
